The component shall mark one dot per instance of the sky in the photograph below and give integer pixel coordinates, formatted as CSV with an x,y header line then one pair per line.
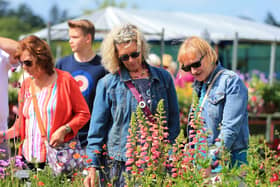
x,y
255,9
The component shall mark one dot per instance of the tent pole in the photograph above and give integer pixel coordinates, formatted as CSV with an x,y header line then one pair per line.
x,y
234,52
272,62
49,33
162,46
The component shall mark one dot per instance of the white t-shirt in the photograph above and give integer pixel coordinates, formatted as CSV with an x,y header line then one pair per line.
x,y
4,109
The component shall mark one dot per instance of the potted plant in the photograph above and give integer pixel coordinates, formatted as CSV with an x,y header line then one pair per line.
x,y
271,97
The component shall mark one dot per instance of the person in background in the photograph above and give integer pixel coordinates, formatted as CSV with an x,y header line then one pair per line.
x,y
61,104
182,78
84,65
167,60
154,60
225,109
124,53
173,68
7,50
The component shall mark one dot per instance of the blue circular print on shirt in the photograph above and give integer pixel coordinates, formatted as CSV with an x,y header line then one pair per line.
x,y
84,80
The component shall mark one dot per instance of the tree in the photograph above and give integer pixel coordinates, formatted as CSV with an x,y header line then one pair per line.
x,y
106,3
13,27
25,14
101,4
3,7
15,22
271,20
56,15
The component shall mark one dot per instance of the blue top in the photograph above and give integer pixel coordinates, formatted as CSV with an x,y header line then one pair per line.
x,y
225,110
110,120
87,74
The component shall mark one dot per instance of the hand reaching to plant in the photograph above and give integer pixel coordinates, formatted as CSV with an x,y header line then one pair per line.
x,y
206,172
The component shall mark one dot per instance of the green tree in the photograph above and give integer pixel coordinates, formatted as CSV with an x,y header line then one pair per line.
x,y
15,22
25,14
13,27
101,4
56,15
271,20
105,3
3,7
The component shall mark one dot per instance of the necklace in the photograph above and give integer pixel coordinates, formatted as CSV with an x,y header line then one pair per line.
x,y
143,74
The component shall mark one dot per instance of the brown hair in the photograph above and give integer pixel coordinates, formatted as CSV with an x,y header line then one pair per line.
x,y
85,25
40,50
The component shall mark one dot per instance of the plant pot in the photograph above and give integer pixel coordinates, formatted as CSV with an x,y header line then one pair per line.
x,y
269,107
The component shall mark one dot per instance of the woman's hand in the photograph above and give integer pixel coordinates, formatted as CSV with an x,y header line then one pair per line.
x,y
206,172
89,181
2,136
58,136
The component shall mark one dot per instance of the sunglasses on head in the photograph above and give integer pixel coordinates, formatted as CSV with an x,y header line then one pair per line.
x,y
132,55
193,65
27,63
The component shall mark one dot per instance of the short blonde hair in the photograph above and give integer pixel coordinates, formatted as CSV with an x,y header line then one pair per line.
x,y
199,45
123,34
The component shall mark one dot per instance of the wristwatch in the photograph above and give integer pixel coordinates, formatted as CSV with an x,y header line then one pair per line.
x,y
68,129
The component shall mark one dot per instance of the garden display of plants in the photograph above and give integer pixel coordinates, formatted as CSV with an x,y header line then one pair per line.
x,y
153,161
263,97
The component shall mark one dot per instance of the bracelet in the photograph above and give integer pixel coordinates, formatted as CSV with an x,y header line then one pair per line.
x,y
4,135
68,129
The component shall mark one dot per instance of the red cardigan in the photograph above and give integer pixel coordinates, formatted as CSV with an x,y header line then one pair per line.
x,y
71,107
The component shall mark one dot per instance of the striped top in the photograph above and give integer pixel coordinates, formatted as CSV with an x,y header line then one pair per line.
x,y
33,148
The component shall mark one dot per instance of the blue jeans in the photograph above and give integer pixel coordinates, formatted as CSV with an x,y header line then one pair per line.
x,y
112,173
238,158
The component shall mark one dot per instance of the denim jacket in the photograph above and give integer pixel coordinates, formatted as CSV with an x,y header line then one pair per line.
x,y
225,110
114,104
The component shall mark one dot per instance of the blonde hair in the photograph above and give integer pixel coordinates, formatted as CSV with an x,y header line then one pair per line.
x,y
166,60
124,34
199,45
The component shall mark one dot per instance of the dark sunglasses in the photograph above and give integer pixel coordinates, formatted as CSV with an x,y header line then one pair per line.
x,y
126,56
27,63
193,65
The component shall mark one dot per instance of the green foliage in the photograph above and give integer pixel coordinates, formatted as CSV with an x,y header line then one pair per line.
x,y
26,15
106,3
15,22
13,27
12,89
57,15
271,95
13,95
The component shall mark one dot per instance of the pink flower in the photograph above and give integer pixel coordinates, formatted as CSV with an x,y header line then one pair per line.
x,y
274,178
174,175
129,161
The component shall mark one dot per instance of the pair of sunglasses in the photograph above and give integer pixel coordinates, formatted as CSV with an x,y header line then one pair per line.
x,y
27,63
132,55
193,65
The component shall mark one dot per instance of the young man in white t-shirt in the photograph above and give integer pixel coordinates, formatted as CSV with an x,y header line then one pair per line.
x,y
7,49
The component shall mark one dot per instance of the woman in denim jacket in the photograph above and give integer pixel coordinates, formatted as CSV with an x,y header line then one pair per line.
x,y
225,110
124,51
